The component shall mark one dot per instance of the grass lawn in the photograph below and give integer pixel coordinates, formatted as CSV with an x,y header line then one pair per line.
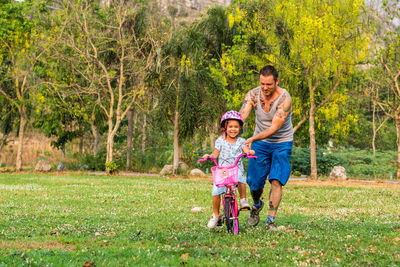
x,y
77,220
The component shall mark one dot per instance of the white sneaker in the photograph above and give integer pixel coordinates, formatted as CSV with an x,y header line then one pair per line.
x,y
244,204
213,222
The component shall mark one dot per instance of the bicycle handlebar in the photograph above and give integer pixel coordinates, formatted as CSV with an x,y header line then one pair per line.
x,y
248,155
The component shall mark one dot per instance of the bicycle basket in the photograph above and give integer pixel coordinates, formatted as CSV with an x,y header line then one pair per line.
x,y
225,175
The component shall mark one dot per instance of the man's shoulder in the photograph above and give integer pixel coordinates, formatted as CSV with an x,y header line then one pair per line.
x,y
286,94
285,91
254,90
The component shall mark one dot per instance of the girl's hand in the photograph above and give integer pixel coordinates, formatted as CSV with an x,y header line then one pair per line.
x,y
205,156
248,142
252,152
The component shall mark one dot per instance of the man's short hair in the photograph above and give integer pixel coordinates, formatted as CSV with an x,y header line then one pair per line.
x,y
268,70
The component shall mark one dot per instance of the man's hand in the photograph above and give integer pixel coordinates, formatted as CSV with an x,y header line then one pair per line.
x,y
248,143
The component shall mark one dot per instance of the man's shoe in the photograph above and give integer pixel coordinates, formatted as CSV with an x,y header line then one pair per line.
x,y
244,204
254,217
271,226
213,222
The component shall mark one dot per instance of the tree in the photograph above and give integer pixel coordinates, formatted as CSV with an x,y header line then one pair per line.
x,y
386,75
7,120
111,49
314,45
327,43
190,95
22,37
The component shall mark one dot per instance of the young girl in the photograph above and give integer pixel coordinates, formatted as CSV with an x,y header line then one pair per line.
x,y
227,148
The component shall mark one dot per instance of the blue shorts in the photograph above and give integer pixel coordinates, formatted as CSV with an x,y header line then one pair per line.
x,y
273,161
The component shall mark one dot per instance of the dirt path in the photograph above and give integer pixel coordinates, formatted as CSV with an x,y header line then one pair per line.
x,y
348,183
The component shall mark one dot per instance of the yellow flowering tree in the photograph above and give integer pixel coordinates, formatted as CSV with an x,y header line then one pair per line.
x,y
327,43
24,41
315,45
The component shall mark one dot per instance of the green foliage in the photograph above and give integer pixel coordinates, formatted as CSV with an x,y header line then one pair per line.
x,y
111,167
358,163
304,40
362,163
300,161
151,161
93,162
187,84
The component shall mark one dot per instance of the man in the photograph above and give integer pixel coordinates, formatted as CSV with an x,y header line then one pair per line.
x,y
272,142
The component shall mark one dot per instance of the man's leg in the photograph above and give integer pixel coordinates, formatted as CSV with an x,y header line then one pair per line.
x,y
257,173
258,204
278,177
275,196
256,195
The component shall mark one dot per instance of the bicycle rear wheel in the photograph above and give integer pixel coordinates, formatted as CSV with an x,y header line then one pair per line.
x,y
231,216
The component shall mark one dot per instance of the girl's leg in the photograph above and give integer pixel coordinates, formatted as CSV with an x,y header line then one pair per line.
x,y
244,204
216,200
242,190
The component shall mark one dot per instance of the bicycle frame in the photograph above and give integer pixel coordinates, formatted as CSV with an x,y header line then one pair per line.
x,y
229,199
231,217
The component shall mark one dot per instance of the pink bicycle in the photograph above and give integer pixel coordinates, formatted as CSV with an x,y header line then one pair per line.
x,y
228,176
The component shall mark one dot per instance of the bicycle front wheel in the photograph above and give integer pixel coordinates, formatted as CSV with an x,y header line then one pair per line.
x,y
231,216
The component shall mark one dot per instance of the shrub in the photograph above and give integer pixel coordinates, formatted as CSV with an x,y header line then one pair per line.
x,y
93,162
358,163
150,160
363,163
300,161
111,167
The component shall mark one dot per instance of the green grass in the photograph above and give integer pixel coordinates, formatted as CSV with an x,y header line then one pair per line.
x,y
70,220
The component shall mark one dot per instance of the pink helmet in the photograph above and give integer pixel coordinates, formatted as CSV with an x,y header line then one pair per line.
x,y
231,115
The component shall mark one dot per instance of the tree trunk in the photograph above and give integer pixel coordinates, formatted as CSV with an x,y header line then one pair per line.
x,y
129,139
3,141
63,150
110,141
81,143
22,123
397,120
96,137
176,143
144,132
180,152
373,129
313,154
135,129
204,146
105,3
212,139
